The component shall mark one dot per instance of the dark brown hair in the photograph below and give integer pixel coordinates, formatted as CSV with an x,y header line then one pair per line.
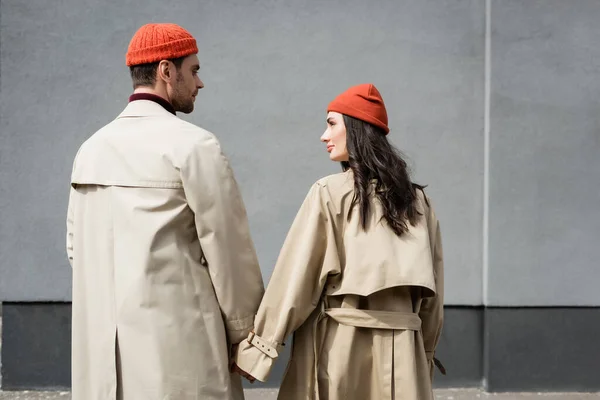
x,y
145,74
372,158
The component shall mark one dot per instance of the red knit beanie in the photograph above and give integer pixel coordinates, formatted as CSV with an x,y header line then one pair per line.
x,y
155,42
362,102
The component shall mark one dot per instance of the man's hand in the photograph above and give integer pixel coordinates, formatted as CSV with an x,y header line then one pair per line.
x,y
234,368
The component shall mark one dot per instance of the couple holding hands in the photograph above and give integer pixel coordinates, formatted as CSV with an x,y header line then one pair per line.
x,y
168,297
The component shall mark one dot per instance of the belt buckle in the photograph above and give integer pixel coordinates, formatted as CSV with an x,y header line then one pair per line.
x,y
251,336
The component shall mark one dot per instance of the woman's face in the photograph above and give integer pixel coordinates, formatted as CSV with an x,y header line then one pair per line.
x,y
335,137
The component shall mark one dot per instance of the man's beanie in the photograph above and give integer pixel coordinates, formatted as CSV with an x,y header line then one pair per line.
x,y
155,42
362,102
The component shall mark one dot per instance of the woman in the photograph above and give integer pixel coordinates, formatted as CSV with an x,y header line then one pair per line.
x,y
359,280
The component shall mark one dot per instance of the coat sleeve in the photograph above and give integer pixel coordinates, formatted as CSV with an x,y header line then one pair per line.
x,y
224,234
432,308
70,225
308,256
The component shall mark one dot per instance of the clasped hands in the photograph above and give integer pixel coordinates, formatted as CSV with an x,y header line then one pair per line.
x,y
233,367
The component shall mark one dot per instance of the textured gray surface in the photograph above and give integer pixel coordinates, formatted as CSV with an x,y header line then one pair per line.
x,y
545,142
36,346
270,68
461,348
542,349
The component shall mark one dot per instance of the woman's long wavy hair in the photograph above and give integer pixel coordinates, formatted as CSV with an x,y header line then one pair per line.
x,y
372,158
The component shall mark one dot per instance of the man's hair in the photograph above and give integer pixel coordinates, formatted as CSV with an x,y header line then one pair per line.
x,y
145,74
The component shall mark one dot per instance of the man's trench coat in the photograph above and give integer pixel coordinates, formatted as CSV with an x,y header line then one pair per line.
x,y
165,274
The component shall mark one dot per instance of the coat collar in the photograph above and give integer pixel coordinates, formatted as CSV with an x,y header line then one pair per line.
x,y
155,98
144,108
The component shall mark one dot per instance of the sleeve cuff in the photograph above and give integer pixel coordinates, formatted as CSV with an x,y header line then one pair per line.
x,y
434,362
256,356
429,355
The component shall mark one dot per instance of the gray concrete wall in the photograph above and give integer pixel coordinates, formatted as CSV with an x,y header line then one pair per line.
x,y
494,101
544,153
270,69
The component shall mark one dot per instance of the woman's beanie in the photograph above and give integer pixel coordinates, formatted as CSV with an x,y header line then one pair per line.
x,y
362,102
155,42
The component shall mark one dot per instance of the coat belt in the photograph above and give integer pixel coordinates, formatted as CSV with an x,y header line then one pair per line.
x,y
375,319
361,319
380,320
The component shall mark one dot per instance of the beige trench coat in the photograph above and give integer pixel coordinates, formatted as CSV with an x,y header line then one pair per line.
x,y
165,275
365,307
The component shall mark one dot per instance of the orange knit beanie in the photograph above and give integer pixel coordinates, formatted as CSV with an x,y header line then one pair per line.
x,y
362,102
155,42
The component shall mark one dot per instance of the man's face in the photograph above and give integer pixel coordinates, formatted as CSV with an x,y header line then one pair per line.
x,y
186,86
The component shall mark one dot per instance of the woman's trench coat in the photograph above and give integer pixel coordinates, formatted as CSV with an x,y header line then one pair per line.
x,y
365,307
165,275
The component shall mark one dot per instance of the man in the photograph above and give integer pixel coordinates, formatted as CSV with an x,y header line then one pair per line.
x,y
165,275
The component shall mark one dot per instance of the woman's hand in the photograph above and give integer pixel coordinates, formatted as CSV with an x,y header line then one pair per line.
x,y
234,368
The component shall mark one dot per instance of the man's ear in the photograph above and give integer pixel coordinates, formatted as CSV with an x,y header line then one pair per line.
x,y
165,71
